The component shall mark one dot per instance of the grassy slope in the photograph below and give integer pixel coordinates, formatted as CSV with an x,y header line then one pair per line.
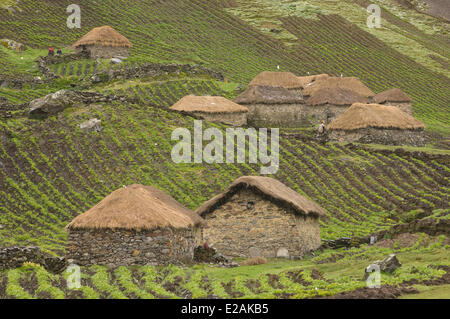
x,y
51,171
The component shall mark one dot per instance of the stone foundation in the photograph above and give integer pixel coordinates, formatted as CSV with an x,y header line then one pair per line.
x,y
292,115
248,225
125,247
235,119
104,52
379,136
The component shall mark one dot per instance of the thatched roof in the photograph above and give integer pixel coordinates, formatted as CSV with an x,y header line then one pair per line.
x,y
360,116
268,95
207,104
268,187
104,36
287,80
348,83
336,96
136,207
392,95
309,79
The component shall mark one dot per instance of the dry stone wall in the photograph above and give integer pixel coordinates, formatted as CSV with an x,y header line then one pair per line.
x,y
235,119
248,225
380,136
124,247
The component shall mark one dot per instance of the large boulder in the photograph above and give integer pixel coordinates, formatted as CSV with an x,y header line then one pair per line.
x,y
91,125
54,103
389,265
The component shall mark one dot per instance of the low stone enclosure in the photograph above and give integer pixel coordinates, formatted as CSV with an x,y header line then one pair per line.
x,y
260,216
379,124
212,109
14,257
134,225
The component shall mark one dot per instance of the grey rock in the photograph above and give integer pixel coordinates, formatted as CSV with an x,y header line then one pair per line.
x,y
53,103
91,125
283,253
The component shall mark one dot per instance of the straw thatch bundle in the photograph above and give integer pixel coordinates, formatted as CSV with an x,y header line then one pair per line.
x,y
359,116
136,207
287,80
336,96
103,36
268,95
349,83
207,104
271,189
392,95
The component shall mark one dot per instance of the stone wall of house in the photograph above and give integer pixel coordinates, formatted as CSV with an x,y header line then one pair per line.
x,y
126,247
405,107
235,119
380,136
292,115
248,225
105,52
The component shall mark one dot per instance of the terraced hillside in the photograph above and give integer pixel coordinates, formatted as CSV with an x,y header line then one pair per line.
x,y
51,171
200,31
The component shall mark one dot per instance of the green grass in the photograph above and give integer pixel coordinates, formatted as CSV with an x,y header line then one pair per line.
x,y
429,292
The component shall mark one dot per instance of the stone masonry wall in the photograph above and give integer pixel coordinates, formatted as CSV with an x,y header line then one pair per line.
x,y
123,247
235,119
248,222
405,107
105,52
380,136
292,115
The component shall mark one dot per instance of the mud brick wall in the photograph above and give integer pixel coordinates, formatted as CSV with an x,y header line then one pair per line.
x,y
380,136
247,221
124,247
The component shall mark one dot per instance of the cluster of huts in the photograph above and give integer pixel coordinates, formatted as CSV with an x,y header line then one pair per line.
x,y
141,225
351,111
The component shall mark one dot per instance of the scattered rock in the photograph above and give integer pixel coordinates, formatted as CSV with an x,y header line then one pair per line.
x,y
93,124
53,103
115,61
283,253
13,45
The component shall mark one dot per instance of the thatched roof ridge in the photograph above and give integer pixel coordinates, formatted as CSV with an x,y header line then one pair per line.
x,y
268,95
309,79
287,80
207,104
336,96
359,116
270,188
136,207
104,36
349,83
392,95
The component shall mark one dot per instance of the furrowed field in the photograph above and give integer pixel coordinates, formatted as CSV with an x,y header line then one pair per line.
x,y
51,171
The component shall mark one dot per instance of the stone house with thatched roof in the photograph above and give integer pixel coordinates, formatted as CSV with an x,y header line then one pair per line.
x,y
328,103
104,42
134,225
395,97
261,216
353,84
379,124
270,106
212,109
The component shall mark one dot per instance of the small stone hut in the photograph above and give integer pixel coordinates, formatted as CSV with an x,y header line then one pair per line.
x,y
287,80
104,42
134,225
212,109
261,216
328,103
379,124
395,97
270,106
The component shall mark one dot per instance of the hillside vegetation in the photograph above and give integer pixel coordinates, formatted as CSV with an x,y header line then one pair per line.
x,y
50,171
